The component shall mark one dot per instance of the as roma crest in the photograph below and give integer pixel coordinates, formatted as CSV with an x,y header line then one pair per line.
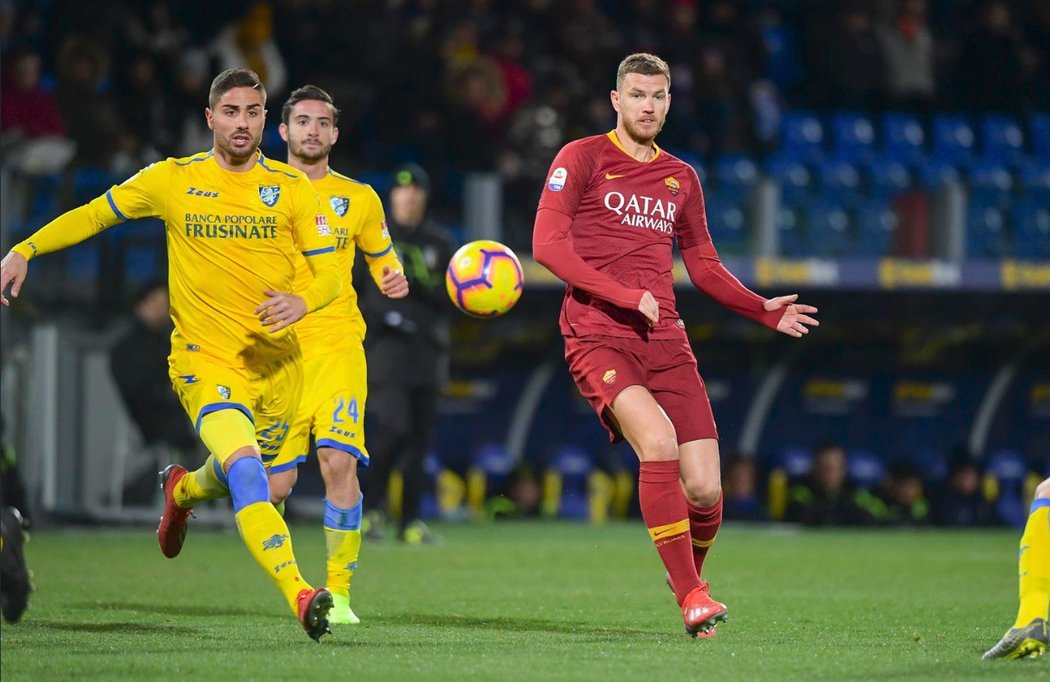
x,y
270,194
672,185
339,205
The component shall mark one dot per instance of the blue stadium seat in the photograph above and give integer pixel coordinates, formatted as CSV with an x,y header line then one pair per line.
x,y
728,201
853,137
987,233
864,468
796,461
791,230
876,224
573,466
936,173
802,136
1034,180
903,138
1032,229
840,182
1039,125
888,177
953,140
829,228
1002,140
794,178
1009,470
991,184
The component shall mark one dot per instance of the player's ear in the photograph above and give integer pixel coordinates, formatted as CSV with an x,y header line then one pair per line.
x,y
283,130
335,135
614,96
208,117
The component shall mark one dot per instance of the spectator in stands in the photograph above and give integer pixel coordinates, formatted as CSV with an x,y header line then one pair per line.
x,y
143,103
990,71
856,71
740,497
249,43
827,498
960,501
905,502
91,116
909,51
138,362
33,134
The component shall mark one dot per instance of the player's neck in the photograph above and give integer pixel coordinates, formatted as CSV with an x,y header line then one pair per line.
x,y
639,151
234,164
315,170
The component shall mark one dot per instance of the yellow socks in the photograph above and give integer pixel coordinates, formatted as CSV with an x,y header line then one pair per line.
x,y
202,484
1034,565
342,533
266,536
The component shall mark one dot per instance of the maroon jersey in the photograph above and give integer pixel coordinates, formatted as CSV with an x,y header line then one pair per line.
x,y
626,216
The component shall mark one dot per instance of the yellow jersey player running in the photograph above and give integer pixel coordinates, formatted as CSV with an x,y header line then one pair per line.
x,y
335,379
235,222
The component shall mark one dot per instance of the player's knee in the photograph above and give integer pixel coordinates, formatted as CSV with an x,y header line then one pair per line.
x,y
702,492
1042,491
658,447
279,493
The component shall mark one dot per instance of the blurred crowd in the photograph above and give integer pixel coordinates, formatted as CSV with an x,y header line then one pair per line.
x,y
499,86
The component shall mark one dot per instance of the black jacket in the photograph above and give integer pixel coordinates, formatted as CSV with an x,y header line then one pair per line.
x,y
407,339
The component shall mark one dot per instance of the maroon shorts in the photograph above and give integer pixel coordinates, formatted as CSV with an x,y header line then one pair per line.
x,y
602,366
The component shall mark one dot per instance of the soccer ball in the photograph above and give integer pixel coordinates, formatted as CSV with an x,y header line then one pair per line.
x,y
484,278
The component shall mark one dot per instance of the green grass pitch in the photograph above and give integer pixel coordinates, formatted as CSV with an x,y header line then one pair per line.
x,y
525,601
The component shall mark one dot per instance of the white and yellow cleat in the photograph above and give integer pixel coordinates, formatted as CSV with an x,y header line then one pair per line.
x,y
1031,640
341,613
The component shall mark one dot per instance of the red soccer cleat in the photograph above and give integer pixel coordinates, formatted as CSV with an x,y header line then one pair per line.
x,y
171,532
314,606
701,613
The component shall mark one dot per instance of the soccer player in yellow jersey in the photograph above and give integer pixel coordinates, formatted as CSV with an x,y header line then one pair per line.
x,y
236,221
1029,635
335,378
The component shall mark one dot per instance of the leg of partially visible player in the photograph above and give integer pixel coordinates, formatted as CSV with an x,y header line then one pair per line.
x,y
702,484
1029,636
647,428
342,527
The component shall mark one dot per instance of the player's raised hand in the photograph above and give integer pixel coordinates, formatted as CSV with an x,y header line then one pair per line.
x,y
795,318
395,284
13,271
650,308
280,310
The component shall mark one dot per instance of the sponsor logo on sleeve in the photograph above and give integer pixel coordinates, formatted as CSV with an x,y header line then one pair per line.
x,y
558,179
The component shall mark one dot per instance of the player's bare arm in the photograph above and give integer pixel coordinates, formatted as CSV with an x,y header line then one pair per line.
x,y
280,310
13,271
796,320
395,284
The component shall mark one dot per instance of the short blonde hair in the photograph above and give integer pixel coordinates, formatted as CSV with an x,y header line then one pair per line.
x,y
645,64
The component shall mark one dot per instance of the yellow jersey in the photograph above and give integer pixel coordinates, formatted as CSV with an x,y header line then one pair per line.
x,y
356,215
231,236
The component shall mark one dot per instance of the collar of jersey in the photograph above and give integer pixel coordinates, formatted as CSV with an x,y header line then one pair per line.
x,y
616,141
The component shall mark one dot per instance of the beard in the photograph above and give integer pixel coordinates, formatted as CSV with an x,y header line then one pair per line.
x,y
226,144
638,136
312,155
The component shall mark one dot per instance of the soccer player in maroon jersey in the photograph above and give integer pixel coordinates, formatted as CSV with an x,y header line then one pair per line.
x,y
612,209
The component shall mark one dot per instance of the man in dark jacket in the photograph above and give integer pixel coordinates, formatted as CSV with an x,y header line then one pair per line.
x,y
407,350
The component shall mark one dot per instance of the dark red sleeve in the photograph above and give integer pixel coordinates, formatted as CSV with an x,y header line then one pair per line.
x,y
711,277
552,248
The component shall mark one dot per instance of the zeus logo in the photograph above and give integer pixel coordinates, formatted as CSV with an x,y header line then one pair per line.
x,y
643,211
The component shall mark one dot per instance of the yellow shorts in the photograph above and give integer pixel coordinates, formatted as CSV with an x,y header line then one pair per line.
x,y
332,409
267,396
